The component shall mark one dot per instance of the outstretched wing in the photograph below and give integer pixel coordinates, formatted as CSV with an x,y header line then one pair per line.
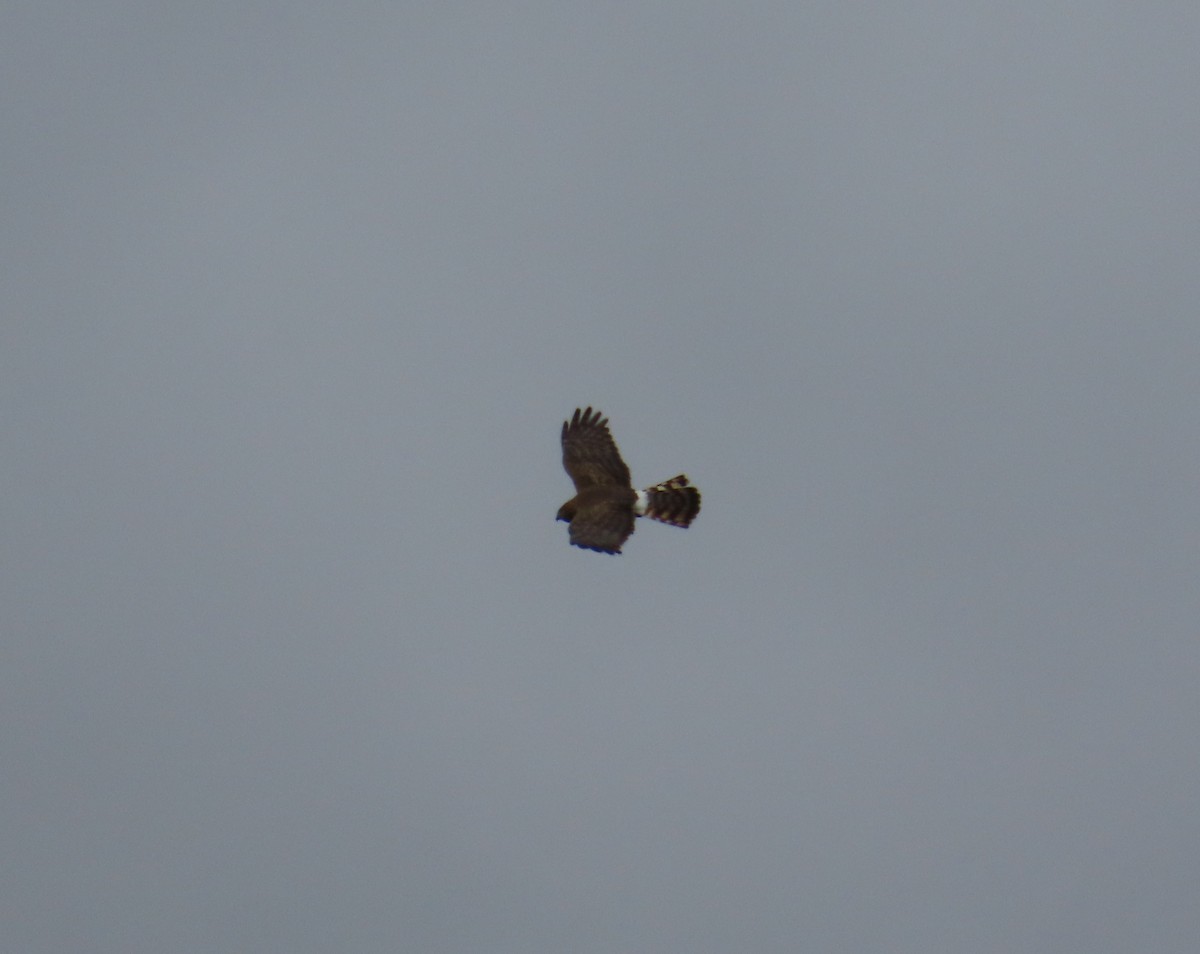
x,y
590,455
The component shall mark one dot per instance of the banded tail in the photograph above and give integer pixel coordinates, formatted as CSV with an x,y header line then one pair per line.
x,y
673,501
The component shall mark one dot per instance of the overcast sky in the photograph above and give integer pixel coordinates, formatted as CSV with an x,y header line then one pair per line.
x,y
296,297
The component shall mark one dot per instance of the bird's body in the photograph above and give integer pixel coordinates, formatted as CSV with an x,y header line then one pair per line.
x,y
602,512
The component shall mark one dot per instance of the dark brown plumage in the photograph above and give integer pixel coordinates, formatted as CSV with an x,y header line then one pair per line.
x,y
602,512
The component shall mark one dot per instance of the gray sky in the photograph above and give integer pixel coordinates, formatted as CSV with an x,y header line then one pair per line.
x,y
295,300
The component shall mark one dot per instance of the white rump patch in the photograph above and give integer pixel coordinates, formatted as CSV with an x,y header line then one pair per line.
x,y
639,505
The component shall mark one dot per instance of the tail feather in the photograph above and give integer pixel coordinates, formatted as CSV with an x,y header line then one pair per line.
x,y
673,501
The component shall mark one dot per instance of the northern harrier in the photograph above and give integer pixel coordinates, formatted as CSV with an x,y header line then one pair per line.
x,y
602,512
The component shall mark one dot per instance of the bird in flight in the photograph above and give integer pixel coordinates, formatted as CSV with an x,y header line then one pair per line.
x,y
602,512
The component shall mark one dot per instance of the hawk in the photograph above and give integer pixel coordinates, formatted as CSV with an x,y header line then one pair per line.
x,y
602,512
